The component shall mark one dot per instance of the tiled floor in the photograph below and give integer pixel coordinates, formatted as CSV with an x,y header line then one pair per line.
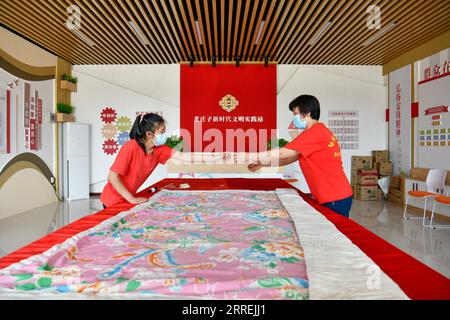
x,y
19,230
432,247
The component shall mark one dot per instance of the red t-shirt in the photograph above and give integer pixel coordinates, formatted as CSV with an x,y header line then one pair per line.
x,y
321,163
133,167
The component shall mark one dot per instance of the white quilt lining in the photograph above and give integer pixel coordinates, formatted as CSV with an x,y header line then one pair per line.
x,y
336,268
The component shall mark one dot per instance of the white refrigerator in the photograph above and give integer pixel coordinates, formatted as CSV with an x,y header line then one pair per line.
x,y
75,161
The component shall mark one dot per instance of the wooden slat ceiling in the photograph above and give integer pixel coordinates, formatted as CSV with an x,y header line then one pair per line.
x,y
248,29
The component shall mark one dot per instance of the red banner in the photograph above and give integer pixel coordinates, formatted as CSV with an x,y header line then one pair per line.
x,y
26,105
39,125
436,110
33,121
39,111
415,110
33,134
26,114
228,108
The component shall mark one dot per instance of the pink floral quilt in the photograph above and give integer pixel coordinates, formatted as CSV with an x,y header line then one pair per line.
x,y
200,244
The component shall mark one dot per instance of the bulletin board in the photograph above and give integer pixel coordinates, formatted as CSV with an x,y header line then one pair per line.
x,y
345,125
23,129
433,132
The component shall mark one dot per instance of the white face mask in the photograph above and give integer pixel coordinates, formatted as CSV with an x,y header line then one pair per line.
x,y
160,139
299,123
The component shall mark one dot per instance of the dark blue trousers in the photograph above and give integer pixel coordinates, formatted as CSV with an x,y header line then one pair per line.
x,y
341,207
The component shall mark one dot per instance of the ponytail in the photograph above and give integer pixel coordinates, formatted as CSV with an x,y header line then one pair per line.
x,y
143,124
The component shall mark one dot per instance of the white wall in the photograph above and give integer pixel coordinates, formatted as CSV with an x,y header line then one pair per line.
x,y
431,61
338,88
431,94
127,89
156,87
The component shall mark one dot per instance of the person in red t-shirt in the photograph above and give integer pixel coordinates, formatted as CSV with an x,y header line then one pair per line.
x,y
318,153
138,158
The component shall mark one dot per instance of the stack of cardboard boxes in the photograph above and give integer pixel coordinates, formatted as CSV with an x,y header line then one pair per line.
x,y
366,170
364,179
365,174
383,166
381,163
396,190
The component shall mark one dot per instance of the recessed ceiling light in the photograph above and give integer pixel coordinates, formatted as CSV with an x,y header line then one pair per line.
x,y
320,33
379,34
83,37
259,32
139,33
199,34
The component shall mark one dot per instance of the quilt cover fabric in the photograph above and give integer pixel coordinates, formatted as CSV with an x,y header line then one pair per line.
x,y
202,244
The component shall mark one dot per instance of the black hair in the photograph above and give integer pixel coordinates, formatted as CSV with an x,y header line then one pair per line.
x,y
306,104
143,124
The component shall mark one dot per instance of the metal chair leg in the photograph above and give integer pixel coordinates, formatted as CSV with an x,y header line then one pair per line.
x,y
424,212
432,215
406,206
437,226
415,217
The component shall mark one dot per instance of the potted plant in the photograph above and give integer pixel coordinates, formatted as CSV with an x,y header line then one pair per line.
x,y
64,113
69,83
175,143
276,143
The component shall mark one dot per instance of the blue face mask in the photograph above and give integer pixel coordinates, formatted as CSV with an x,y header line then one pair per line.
x,y
299,123
160,139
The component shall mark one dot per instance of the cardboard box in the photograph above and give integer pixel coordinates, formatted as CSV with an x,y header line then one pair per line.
x,y
359,162
397,183
354,178
395,192
394,199
367,177
384,168
380,155
366,193
394,182
396,196
402,184
380,194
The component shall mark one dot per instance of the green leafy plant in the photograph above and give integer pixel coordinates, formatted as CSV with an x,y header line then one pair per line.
x,y
64,108
276,143
69,78
175,143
